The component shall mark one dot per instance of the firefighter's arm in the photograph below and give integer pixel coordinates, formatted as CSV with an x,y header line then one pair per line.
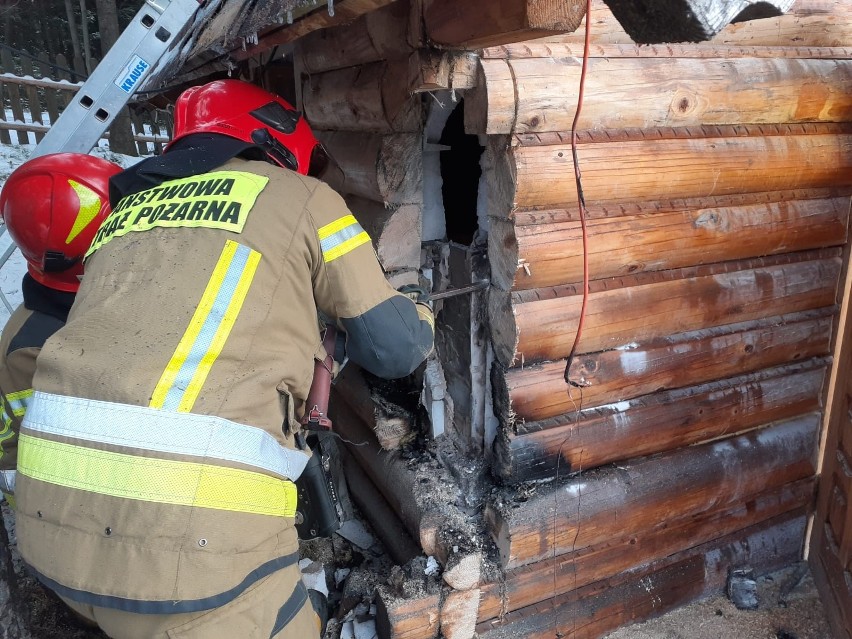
x,y
388,334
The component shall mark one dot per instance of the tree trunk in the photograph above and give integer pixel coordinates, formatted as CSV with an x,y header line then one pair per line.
x,y
75,41
121,131
84,28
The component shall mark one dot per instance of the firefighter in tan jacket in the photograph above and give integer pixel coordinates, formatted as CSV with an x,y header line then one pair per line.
x,y
157,460
52,206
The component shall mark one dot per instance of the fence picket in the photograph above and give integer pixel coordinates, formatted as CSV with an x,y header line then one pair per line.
x,y
33,100
50,95
14,94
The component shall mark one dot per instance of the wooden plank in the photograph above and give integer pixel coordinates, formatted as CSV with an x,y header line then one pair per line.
x,y
33,99
832,580
382,168
548,254
458,614
378,35
672,168
573,571
655,423
473,25
528,326
371,97
577,513
14,94
647,591
610,377
50,95
672,92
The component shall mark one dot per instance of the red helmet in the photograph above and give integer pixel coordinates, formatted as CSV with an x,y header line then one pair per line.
x,y
246,112
53,206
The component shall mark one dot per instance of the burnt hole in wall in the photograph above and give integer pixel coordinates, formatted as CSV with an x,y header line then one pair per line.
x,y
460,173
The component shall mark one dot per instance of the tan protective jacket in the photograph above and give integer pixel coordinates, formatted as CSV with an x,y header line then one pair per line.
x,y
156,461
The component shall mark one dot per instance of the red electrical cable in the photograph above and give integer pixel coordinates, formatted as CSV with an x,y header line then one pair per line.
x,y
581,200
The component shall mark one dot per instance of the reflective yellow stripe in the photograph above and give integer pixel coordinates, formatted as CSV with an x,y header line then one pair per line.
x,y
90,205
208,330
17,405
340,237
155,480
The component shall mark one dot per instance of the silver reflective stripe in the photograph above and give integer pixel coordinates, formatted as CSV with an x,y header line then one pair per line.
x,y
7,482
163,431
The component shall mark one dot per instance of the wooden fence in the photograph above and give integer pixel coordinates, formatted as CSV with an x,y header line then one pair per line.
x,y
34,91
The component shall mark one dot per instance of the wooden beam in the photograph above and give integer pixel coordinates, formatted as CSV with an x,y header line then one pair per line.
x,y
345,11
473,25
578,513
378,35
548,254
372,97
382,168
390,422
646,591
574,571
416,616
655,423
649,169
610,377
628,92
530,326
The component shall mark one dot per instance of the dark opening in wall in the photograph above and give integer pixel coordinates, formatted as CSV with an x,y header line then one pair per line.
x,y
460,172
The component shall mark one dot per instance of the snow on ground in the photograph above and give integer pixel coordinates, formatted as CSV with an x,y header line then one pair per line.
x,y
13,269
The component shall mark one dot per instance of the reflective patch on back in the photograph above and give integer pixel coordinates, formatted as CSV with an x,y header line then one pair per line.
x,y
218,200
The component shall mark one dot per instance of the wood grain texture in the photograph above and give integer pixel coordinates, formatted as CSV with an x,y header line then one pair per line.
x,y
578,513
473,26
648,590
668,168
606,560
609,377
548,254
395,231
625,92
579,440
530,326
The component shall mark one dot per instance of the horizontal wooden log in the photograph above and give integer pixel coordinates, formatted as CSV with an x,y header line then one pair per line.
x,y
390,422
395,231
383,168
415,617
369,98
578,513
655,423
373,506
610,377
666,168
530,216
434,70
552,577
672,92
647,591
377,35
533,256
527,327
473,26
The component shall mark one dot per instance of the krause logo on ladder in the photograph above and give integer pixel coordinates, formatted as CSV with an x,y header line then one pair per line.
x,y
131,74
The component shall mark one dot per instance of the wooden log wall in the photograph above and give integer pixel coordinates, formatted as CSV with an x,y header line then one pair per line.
x,y
717,179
